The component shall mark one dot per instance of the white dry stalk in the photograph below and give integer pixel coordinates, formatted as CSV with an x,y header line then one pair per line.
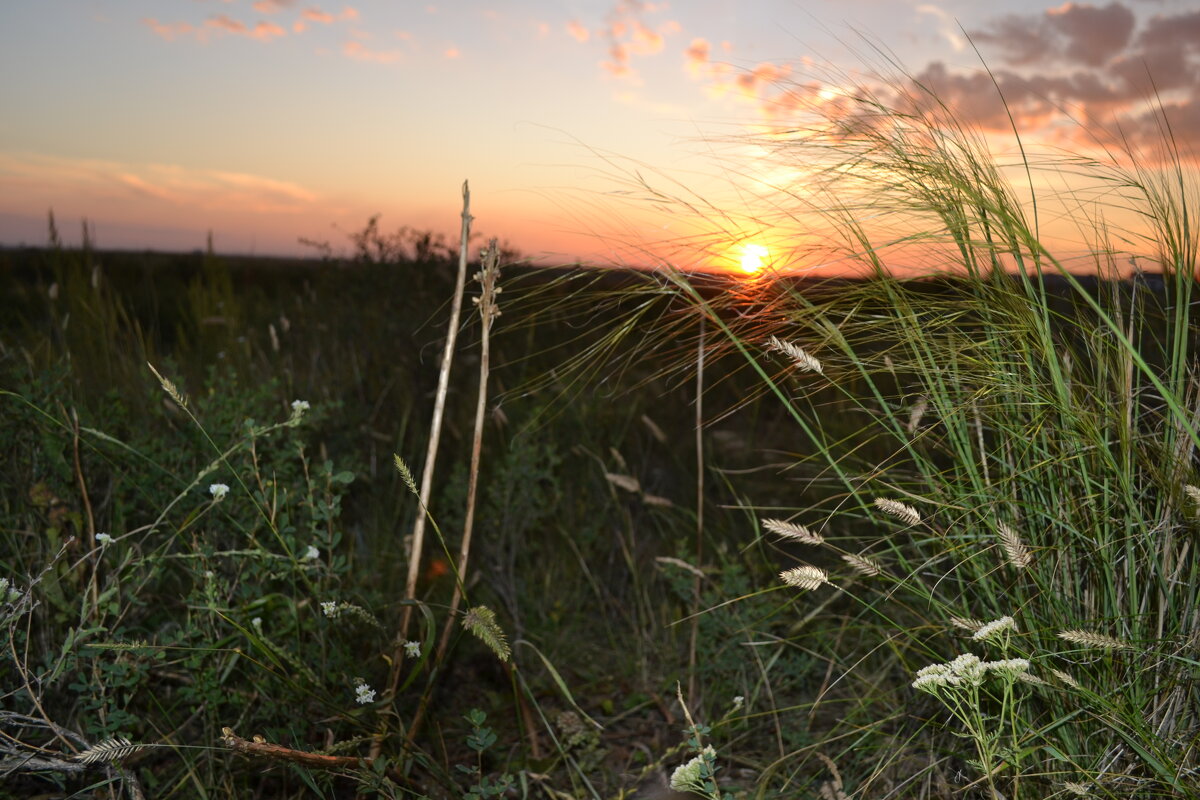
x,y
901,511
790,530
797,354
1018,554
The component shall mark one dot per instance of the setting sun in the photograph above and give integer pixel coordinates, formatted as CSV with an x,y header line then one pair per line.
x,y
754,258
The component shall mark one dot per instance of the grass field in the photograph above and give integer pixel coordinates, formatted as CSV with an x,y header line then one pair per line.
x,y
930,538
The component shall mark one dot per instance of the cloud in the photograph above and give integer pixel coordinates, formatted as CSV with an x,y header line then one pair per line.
x,y
360,52
1074,33
312,14
947,27
168,31
112,183
697,56
272,6
628,34
452,52
577,31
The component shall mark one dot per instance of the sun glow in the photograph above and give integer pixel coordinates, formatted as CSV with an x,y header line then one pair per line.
x,y
754,258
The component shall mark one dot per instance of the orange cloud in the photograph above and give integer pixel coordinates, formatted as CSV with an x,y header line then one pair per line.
x,y
646,41
271,6
697,56
313,14
577,31
360,52
266,31
168,31
224,22
452,52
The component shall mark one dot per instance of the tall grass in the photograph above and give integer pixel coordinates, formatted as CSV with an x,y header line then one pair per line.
x,y
1012,440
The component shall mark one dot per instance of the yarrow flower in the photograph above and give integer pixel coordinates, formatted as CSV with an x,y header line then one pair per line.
x,y
329,608
1011,667
298,409
311,554
412,649
689,776
364,694
218,491
993,628
257,623
103,539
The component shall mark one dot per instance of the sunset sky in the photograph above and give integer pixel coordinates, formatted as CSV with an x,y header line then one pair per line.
x,y
269,120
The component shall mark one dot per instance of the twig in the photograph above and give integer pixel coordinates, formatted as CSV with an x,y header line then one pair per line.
x,y
260,748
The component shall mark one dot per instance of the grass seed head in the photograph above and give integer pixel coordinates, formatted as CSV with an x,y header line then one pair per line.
x,y
790,530
901,511
863,565
805,577
1098,641
797,354
1018,554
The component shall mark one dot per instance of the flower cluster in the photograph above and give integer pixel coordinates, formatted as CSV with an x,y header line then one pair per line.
x,y
994,628
968,670
218,491
691,775
363,693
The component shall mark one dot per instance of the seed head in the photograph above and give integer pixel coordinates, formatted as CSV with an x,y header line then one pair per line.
x,y
901,511
790,530
805,577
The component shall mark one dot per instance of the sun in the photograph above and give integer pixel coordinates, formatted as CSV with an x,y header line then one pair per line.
x,y
754,258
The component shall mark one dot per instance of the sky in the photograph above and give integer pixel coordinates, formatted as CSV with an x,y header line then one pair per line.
x,y
588,129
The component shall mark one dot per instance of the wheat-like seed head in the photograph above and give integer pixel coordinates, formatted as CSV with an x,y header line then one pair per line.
x,y
405,473
797,354
1018,554
1065,678
863,565
1095,640
626,482
790,530
108,750
805,577
1077,789
481,621
917,414
1193,493
901,511
968,624
169,387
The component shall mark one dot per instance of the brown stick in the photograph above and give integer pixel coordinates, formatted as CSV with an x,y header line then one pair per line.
x,y
259,748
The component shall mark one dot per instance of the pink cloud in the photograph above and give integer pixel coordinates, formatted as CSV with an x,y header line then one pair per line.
x,y
168,31
452,52
224,22
313,14
266,31
360,52
646,41
577,31
271,6
697,56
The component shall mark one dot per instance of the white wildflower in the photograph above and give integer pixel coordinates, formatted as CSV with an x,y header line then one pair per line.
x,y
993,628
412,649
299,407
103,539
257,623
688,776
1009,666
311,554
218,491
329,608
364,694
738,702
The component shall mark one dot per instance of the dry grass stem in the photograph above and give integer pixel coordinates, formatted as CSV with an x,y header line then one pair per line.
x,y
901,511
797,354
1018,554
1094,640
805,577
790,530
